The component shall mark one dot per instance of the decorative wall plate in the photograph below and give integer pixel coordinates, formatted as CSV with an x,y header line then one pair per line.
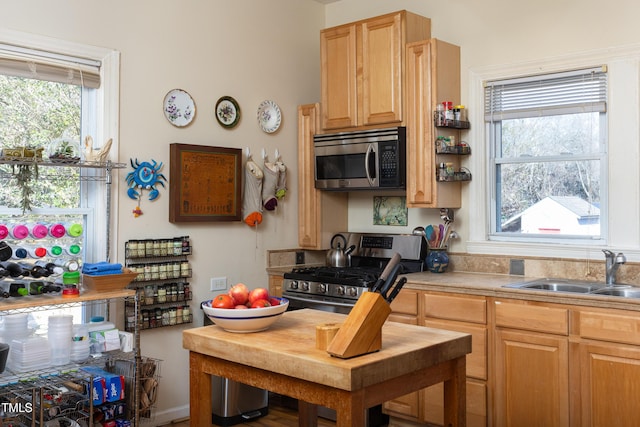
x,y
269,116
179,107
227,112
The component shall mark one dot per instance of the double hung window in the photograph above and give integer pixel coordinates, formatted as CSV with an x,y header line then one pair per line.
x,y
547,138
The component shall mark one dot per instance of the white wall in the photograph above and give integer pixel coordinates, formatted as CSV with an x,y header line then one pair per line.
x,y
250,50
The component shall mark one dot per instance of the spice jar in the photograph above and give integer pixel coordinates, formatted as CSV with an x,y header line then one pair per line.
x,y
162,294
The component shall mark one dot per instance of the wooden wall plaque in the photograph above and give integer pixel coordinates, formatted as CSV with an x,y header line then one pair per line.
x,y
206,183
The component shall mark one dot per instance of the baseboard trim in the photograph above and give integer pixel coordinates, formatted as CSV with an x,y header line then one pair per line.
x,y
161,418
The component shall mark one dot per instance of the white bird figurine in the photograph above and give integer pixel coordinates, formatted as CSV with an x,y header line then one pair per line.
x,y
96,155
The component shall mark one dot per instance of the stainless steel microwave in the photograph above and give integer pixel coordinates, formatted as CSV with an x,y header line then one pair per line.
x,y
361,160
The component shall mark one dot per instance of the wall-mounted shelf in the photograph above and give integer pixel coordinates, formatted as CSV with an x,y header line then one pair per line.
x,y
162,287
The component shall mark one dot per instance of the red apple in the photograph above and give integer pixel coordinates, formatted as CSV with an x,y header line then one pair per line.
x,y
258,294
241,307
261,303
274,301
240,293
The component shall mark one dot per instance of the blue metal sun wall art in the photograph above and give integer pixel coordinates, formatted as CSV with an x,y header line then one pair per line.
x,y
145,176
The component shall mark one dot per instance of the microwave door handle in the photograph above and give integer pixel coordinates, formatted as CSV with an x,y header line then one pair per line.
x,y
370,150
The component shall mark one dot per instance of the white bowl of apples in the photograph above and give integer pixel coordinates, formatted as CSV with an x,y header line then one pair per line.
x,y
242,310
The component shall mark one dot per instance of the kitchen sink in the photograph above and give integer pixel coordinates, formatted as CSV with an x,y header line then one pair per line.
x,y
559,285
627,292
578,286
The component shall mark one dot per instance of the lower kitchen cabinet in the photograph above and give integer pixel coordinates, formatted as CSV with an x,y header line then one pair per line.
x,y
609,375
460,313
531,364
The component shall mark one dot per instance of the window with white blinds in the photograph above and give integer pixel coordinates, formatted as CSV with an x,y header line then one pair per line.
x,y
561,93
547,138
37,64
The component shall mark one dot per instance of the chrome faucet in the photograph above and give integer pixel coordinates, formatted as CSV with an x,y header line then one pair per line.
x,y
613,261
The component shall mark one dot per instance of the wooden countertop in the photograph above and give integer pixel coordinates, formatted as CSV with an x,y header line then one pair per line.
x,y
288,348
491,285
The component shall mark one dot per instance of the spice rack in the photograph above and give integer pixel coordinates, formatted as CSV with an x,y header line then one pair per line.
x,y
161,283
447,145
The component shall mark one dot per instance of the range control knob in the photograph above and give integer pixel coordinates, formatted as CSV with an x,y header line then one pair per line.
x,y
340,290
322,288
293,284
305,286
352,292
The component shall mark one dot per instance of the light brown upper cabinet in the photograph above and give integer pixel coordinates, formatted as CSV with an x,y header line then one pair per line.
x,y
433,76
362,70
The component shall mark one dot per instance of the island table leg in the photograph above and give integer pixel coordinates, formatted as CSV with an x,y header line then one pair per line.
x,y
200,405
455,411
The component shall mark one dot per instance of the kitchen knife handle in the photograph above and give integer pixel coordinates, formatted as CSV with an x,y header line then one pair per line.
x,y
395,259
390,279
397,289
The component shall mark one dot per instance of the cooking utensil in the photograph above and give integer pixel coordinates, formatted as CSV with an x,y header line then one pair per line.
x,y
430,234
395,259
336,256
440,234
396,289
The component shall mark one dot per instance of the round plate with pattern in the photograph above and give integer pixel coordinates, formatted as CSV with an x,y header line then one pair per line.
x,y
269,116
179,107
227,112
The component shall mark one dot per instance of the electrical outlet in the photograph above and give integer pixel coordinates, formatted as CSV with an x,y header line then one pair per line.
x,y
299,257
218,283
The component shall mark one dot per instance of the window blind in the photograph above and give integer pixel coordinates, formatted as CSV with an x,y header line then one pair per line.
x,y
17,61
568,92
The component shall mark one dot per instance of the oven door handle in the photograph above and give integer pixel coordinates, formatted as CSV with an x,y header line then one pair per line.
x,y
318,302
370,149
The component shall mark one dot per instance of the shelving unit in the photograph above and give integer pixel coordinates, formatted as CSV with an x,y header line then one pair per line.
x,y
60,392
40,395
450,154
162,283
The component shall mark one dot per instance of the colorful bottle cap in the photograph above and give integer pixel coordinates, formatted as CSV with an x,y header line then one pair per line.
x,y
57,230
71,278
20,253
75,230
20,232
39,252
4,231
39,231
55,250
74,249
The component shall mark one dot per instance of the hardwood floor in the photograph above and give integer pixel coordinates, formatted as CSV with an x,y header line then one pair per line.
x,y
278,417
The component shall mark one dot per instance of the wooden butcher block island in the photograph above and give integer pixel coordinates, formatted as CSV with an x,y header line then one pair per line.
x,y
284,359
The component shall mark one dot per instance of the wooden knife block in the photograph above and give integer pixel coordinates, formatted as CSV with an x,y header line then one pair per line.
x,y
361,332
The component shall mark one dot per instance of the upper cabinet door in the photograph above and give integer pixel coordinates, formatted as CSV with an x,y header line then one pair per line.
x,y
338,73
363,70
382,58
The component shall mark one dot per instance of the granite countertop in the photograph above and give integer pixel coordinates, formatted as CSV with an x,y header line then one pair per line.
x,y
491,285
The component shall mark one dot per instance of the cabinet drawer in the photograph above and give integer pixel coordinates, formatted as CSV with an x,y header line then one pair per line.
x,y
466,308
553,320
613,327
406,302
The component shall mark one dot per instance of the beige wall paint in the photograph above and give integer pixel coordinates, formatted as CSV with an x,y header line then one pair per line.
x,y
247,49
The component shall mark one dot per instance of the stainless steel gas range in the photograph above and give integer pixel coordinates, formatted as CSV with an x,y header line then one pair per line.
x,y
337,289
